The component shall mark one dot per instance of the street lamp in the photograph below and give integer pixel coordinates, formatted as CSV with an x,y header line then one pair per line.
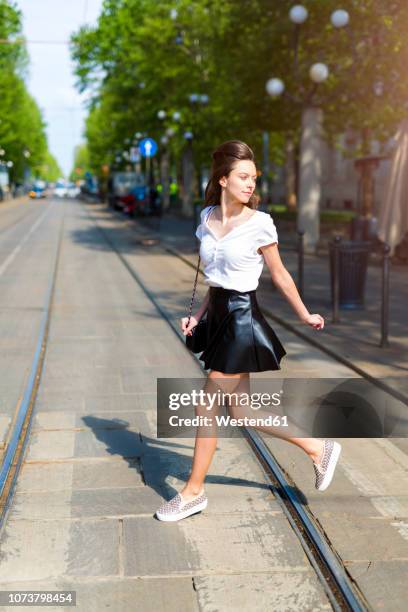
x,y
26,179
310,166
173,16
319,73
339,18
275,87
298,14
198,99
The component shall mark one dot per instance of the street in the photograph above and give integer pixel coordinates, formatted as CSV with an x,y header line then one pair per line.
x,y
94,471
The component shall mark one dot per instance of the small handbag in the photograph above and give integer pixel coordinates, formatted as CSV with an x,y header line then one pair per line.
x,y
197,342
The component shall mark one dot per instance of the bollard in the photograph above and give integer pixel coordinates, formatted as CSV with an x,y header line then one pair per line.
x,y
300,250
336,279
385,296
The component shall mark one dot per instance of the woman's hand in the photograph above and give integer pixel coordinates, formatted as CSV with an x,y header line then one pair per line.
x,y
315,321
186,329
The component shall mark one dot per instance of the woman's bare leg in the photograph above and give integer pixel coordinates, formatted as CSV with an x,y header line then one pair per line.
x,y
205,445
311,446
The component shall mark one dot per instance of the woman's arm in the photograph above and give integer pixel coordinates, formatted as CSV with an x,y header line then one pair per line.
x,y
285,284
201,311
187,325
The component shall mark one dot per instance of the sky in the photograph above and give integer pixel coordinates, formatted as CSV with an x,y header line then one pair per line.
x,y
51,80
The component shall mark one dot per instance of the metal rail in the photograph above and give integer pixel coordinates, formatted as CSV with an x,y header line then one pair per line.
x,y
341,590
19,435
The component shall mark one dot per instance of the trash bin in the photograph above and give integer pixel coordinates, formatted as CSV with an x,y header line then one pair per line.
x,y
353,261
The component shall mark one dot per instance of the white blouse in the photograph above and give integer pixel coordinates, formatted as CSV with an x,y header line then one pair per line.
x,y
232,262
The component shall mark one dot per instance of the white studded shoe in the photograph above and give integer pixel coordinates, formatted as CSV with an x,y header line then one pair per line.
x,y
178,508
325,469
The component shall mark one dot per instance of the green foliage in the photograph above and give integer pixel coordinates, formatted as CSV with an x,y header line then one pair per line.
x,y
22,128
282,213
81,163
133,67
49,170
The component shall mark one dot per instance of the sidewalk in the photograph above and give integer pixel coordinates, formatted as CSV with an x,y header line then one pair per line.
x,y
12,202
356,338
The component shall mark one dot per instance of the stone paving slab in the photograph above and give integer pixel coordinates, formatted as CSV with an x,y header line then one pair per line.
x,y
98,383
79,402
144,379
51,445
382,579
119,594
89,503
109,419
387,545
97,474
259,542
279,590
58,548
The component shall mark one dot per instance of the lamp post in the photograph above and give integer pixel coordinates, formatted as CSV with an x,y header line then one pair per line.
x,y
164,163
310,167
169,132
26,171
196,101
187,170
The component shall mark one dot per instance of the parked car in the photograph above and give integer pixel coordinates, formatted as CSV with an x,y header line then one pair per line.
x,y
60,190
72,190
122,191
38,190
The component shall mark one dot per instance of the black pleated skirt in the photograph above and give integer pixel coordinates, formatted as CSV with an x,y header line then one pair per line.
x,y
239,337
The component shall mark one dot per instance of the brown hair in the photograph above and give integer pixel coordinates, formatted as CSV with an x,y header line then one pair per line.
x,y
224,158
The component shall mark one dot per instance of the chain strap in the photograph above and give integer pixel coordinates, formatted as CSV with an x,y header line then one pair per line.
x,y
195,281
194,290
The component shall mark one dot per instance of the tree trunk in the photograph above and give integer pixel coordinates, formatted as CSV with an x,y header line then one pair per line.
x,y
188,181
310,177
165,179
290,174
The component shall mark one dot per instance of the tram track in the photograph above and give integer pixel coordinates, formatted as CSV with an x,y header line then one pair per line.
x,y
341,590
19,432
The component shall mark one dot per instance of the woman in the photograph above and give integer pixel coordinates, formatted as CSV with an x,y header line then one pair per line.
x,y
236,240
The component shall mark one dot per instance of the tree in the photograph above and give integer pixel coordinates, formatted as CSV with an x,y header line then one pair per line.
x,y
22,128
138,60
81,163
50,170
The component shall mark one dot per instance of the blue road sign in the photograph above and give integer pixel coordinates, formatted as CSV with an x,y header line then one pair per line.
x,y
148,147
